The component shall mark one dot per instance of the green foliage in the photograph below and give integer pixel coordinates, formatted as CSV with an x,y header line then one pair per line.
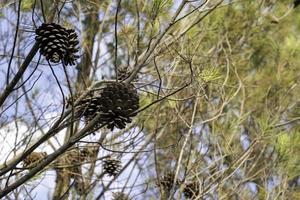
x,y
288,148
160,7
26,5
210,74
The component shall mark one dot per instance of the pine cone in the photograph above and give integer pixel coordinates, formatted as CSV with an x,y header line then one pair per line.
x,y
167,181
57,43
33,159
120,196
72,48
112,166
116,102
191,190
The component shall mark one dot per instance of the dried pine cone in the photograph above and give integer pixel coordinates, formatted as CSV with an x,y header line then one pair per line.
x,y
72,48
57,43
33,159
116,104
167,181
191,190
120,196
112,166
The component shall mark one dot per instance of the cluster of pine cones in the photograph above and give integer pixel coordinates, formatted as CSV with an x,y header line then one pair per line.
x,y
117,103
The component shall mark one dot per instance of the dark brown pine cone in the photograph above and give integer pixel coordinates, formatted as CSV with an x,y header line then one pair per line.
x,y
112,166
191,190
167,181
116,103
57,43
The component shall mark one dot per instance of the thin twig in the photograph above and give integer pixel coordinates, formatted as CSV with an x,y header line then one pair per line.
x,y
116,38
14,44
